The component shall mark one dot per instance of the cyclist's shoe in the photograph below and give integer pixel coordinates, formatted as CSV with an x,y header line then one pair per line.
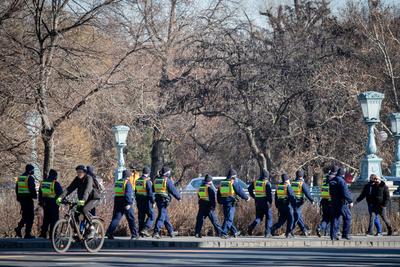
x,y
90,232
110,236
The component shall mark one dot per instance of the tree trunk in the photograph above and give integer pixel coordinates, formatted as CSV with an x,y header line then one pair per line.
x,y
260,157
157,152
48,160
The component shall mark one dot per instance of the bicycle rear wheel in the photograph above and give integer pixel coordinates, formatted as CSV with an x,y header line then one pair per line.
x,y
61,237
96,243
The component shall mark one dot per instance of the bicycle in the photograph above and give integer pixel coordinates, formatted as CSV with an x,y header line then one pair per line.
x,y
69,229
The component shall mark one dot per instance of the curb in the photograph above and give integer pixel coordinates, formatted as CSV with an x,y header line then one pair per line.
x,y
188,242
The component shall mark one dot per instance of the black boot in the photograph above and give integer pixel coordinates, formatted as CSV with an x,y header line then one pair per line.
x,y
250,231
390,231
18,232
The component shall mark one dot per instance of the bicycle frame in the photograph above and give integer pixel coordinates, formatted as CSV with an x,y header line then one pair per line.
x,y
70,217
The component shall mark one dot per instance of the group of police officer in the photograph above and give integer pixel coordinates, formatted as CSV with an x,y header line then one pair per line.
x,y
290,195
148,194
336,201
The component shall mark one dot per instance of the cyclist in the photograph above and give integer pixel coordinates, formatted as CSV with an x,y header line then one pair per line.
x,y
88,195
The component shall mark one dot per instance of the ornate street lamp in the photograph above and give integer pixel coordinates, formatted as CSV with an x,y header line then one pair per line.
x,y
370,104
395,127
121,134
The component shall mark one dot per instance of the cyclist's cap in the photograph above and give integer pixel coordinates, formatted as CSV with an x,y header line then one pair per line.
x,y
81,168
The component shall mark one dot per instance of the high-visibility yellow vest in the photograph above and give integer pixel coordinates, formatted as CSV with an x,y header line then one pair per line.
x,y
133,178
297,187
140,186
23,187
160,186
259,188
119,188
226,188
324,192
281,191
203,192
47,189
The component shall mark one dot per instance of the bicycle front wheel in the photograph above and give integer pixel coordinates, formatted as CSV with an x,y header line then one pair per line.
x,y
61,237
96,243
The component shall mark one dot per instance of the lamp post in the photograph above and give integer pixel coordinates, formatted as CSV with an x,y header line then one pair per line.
x,y
33,122
395,127
120,133
370,104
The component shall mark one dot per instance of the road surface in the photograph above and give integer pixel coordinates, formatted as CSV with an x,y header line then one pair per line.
x,y
208,257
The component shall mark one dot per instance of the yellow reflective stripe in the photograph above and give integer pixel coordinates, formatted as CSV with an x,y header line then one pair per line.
x,y
259,188
325,192
119,188
23,187
160,186
141,186
203,192
48,190
281,191
226,189
297,187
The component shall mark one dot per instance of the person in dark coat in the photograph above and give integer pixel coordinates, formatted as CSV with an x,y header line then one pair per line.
x,y
207,203
123,200
25,190
326,205
50,189
261,191
228,194
284,202
377,195
145,202
301,191
342,201
88,195
164,190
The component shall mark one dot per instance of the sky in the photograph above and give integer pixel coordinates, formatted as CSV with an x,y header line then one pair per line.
x,y
252,7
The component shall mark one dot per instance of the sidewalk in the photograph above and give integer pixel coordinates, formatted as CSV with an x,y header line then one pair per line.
x,y
214,242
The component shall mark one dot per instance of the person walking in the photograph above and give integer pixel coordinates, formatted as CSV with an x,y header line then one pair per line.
x,y
261,191
377,196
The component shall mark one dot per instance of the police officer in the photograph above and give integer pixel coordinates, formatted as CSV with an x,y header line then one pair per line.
x,y
123,200
341,203
145,202
284,201
50,189
207,203
164,189
300,190
26,192
135,174
261,191
326,205
228,194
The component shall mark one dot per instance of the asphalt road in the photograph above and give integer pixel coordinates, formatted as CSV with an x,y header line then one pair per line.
x,y
208,257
